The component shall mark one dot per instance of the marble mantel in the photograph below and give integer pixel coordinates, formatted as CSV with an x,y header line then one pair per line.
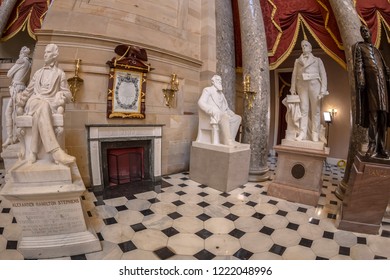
x,y
104,133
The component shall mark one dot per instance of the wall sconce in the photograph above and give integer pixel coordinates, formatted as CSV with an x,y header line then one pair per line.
x,y
333,112
170,91
75,82
249,95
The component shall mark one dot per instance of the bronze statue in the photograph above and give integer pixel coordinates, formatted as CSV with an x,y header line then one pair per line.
x,y
372,101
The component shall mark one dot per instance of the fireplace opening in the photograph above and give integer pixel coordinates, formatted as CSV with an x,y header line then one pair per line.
x,y
126,162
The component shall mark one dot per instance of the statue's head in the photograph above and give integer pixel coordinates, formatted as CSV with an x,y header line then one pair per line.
x,y
51,54
365,32
217,82
306,46
24,51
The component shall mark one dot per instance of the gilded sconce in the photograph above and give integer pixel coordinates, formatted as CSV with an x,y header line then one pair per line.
x,y
75,82
170,91
249,95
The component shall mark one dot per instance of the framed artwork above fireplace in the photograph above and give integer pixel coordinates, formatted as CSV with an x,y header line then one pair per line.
x,y
127,83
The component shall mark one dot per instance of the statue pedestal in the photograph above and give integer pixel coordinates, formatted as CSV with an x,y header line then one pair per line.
x,y
367,196
221,167
298,174
49,210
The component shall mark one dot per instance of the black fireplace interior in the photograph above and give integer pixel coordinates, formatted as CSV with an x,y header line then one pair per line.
x,y
126,162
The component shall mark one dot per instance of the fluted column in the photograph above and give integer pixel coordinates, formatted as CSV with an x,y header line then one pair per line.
x,y
225,49
349,26
255,63
5,11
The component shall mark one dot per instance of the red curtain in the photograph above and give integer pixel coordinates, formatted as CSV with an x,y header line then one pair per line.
x,y
376,15
26,14
285,19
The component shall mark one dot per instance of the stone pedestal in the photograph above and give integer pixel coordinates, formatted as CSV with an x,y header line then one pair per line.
x,y
298,174
46,203
367,197
221,167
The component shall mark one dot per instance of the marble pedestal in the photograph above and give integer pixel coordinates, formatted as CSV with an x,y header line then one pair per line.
x,y
367,197
298,174
46,203
221,167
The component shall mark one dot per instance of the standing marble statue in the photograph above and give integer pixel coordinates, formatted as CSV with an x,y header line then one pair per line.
x,y
309,81
372,101
46,94
20,74
214,104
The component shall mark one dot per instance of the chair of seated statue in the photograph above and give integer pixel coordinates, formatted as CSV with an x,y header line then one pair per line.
x,y
24,133
207,133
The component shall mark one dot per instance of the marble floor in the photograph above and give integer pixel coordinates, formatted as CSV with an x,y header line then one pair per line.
x,y
181,219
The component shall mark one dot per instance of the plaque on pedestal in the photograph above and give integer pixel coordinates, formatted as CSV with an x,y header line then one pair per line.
x,y
367,196
49,212
298,174
220,167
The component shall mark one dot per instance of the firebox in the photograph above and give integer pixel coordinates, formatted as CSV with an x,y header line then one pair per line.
x,y
125,161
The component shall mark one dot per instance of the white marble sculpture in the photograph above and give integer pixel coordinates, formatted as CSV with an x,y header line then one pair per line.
x,y
293,115
42,104
20,74
217,123
309,81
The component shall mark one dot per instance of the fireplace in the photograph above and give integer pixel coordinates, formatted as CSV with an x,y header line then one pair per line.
x,y
120,154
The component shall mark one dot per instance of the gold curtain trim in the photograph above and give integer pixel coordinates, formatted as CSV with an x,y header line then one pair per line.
x,y
339,44
277,41
290,48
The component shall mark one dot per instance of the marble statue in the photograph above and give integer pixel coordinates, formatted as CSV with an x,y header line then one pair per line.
x,y
20,74
293,115
214,111
309,81
46,95
372,99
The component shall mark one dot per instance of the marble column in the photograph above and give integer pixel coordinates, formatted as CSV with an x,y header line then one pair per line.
x,y
5,11
255,63
349,26
225,49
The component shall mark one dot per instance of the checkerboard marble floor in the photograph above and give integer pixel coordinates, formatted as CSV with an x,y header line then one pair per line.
x,y
181,219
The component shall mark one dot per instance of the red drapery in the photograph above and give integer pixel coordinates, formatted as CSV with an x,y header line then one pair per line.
x,y
26,14
284,20
376,15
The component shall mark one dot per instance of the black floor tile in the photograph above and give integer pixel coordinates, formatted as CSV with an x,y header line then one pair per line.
x,y
293,226
170,231
127,246
138,227
204,255
344,251
204,234
267,230
237,233
243,254
164,253
277,249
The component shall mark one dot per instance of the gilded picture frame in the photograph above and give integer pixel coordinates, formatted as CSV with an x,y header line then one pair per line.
x,y
126,93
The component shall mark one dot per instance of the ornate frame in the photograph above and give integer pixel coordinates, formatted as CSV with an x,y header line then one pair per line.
x,y
127,83
126,94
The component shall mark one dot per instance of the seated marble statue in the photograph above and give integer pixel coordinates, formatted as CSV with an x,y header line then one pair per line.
x,y
215,116
46,94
